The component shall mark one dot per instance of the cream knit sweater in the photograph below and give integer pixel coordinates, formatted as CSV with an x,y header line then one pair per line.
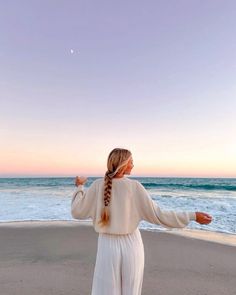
x,y
130,203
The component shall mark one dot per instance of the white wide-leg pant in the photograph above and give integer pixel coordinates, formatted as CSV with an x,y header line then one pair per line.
x,y
119,265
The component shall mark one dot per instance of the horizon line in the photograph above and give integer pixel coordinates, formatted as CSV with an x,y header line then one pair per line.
x,y
133,176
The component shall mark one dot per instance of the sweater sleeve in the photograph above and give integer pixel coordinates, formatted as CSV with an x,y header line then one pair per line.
x,y
83,202
151,212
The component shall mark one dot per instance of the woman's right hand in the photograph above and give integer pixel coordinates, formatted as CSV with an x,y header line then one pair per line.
x,y
80,180
203,218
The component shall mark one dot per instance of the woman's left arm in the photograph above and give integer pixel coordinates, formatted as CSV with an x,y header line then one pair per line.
x,y
83,202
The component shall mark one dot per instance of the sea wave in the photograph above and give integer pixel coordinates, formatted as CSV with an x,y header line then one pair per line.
x,y
150,185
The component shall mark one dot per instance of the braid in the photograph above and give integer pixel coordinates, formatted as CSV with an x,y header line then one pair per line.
x,y
117,160
105,218
107,189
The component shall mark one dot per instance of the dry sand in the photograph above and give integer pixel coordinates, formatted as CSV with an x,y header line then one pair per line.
x,y
55,258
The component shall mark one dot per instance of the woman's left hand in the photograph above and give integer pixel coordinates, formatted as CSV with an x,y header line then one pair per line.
x,y
80,180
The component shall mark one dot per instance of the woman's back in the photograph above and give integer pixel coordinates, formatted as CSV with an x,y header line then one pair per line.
x,y
124,218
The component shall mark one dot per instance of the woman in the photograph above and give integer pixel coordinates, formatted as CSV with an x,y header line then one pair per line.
x,y
116,205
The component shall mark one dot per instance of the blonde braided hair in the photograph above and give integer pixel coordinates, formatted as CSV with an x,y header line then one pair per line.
x,y
116,162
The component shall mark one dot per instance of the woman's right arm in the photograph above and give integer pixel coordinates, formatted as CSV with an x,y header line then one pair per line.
x,y
151,212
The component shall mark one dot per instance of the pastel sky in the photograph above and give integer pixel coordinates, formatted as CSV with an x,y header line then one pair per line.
x,y
79,78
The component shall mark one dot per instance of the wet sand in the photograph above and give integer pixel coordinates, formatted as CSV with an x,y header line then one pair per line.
x,y
58,258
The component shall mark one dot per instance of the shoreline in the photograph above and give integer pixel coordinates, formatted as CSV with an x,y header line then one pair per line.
x,y
215,237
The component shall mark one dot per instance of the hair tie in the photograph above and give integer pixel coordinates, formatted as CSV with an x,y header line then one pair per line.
x,y
110,174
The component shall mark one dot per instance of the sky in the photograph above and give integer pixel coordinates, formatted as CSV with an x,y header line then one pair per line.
x,y
79,78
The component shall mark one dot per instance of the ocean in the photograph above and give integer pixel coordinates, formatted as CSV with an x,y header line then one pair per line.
x,y
24,199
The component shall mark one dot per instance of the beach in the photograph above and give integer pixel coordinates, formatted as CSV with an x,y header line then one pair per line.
x,y
58,257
